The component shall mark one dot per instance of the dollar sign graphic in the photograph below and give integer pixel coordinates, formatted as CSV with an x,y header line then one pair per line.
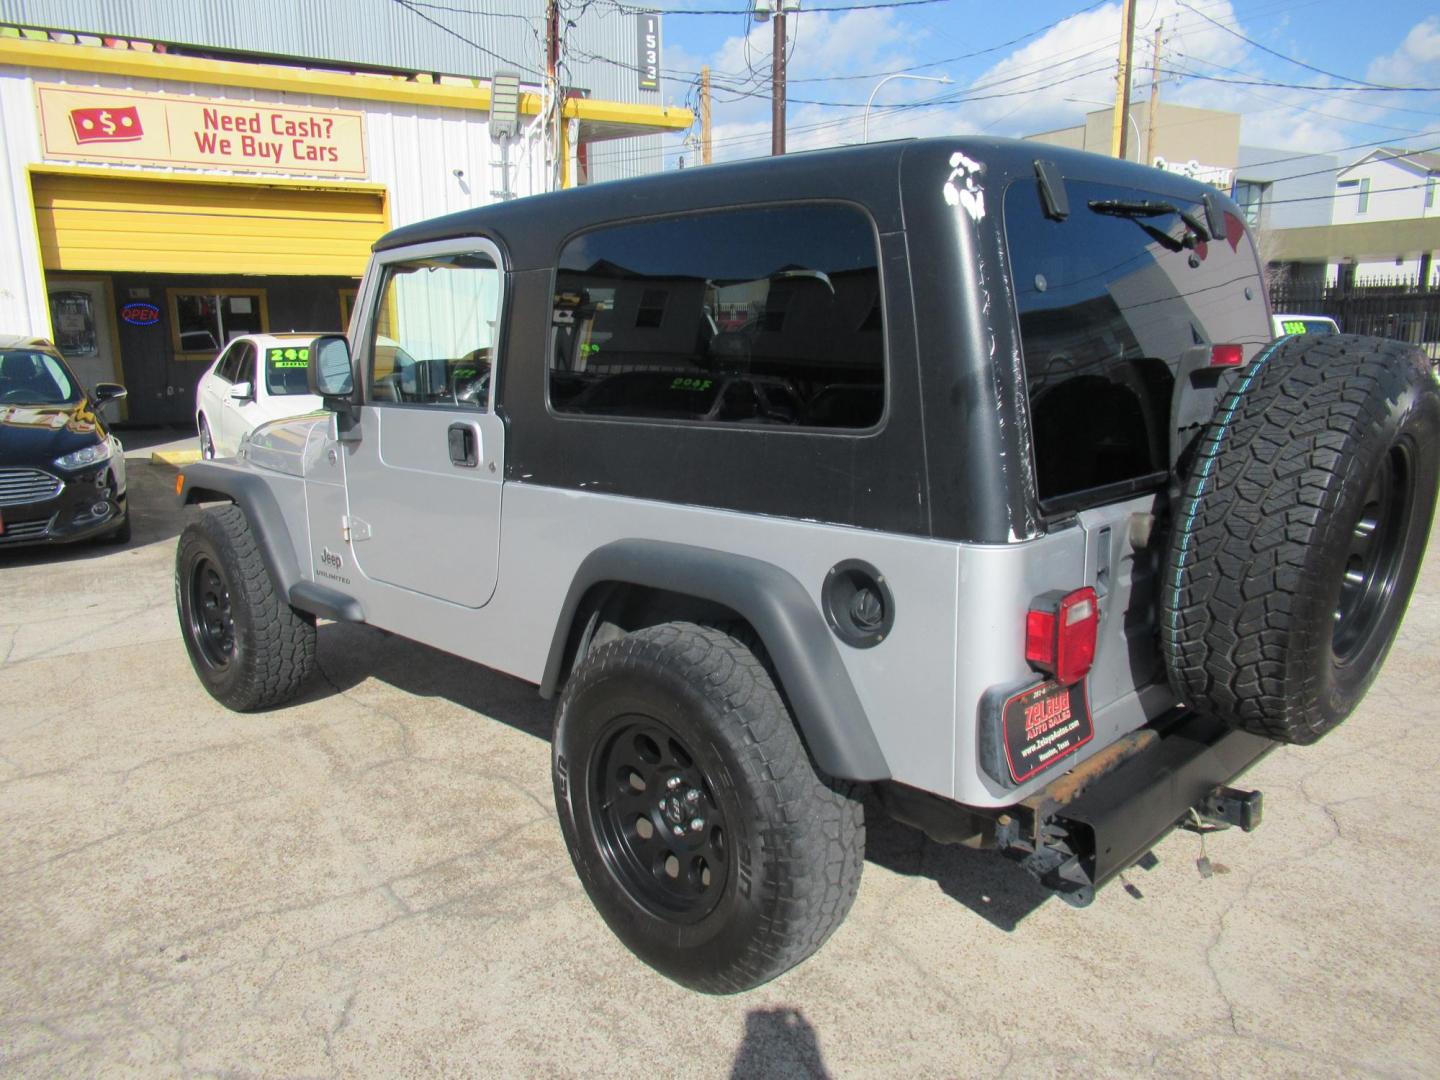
x,y
106,124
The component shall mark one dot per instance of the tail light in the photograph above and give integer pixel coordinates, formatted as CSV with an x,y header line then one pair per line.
x,y
1060,633
1227,355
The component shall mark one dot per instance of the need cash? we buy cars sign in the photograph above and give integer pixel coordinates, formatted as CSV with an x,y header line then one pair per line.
x,y
163,129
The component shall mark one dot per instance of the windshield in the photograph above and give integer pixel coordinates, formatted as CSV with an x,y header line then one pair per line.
x,y
1110,299
1291,325
285,370
28,377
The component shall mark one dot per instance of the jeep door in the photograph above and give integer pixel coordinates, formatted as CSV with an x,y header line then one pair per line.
x,y
423,481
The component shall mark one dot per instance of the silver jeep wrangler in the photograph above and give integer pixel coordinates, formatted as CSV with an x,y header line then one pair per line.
x,y
961,473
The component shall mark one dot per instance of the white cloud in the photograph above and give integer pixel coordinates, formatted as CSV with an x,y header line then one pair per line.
x,y
1031,89
1077,59
1415,62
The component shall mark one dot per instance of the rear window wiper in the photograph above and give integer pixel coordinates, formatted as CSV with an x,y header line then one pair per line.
x,y
1140,208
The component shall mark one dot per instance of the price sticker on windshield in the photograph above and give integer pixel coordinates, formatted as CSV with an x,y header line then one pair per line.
x,y
280,358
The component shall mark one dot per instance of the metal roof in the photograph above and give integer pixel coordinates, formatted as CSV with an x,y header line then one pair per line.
x,y
463,37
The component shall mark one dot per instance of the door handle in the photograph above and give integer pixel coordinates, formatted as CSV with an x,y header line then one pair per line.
x,y
463,449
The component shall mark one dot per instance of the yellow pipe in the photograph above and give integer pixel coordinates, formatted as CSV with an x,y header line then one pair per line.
x,y
19,52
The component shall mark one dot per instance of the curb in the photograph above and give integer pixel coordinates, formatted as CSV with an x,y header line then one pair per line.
x,y
174,458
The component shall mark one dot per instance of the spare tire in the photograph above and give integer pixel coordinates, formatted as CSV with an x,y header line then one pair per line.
x,y
1298,537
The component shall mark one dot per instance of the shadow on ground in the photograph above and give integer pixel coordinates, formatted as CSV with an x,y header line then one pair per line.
x,y
140,440
989,885
778,1042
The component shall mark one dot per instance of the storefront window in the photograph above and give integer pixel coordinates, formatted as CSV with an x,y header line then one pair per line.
x,y
74,323
204,320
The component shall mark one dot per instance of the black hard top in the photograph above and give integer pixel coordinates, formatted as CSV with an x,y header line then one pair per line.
x,y
531,228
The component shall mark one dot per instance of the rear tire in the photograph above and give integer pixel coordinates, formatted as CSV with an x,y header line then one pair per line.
x,y
694,816
1300,534
207,441
250,648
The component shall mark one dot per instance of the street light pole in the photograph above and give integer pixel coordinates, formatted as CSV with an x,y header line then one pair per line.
x,y
899,75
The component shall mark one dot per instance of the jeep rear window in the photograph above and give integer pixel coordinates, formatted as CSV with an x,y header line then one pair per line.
x,y
765,315
1108,304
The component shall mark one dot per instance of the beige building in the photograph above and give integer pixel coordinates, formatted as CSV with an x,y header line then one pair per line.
x,y
1200,142
1312,214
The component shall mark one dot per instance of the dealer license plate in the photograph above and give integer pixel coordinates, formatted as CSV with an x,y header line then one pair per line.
x,y
1044,724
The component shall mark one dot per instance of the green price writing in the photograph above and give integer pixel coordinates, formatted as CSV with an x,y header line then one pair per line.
x,y
684,383
288,357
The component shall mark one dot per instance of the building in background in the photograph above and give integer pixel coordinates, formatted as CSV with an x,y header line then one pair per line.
x,y
1386,185
180,174
1317,220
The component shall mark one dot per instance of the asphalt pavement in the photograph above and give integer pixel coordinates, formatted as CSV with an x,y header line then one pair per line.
x,y
371,882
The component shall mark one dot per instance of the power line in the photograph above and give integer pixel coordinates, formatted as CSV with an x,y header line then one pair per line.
x,y
1337,150
1276,103
535,19
1279,55
409,6
632,9
1348,195
946,60
939,100
1307,86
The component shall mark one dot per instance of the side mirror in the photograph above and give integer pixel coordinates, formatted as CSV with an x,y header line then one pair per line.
x,y
331,375
242,391
106,392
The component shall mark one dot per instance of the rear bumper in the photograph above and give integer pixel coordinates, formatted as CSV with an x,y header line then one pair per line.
x,y
1100,818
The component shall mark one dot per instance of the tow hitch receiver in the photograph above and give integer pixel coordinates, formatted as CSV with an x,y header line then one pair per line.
x,y
1226,806
1099,820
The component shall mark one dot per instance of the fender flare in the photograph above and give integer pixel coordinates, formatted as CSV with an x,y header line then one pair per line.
x,y
826,706
212,480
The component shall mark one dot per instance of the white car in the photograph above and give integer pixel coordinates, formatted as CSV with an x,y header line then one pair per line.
x,y
1284,325
255,379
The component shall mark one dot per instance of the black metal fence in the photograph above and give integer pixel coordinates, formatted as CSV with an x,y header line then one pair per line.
x,y
1401,309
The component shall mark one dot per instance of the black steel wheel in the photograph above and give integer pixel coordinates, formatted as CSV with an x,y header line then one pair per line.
x,y
661,829
1375,558
249,648
212,621
1300,533
694,816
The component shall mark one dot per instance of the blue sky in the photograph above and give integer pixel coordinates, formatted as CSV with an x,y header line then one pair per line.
x,y
1066,50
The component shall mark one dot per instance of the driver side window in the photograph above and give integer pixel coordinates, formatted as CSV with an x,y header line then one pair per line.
x,y
435,332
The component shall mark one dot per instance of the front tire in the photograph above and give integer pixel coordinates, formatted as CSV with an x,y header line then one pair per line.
x,y
694,816
250,648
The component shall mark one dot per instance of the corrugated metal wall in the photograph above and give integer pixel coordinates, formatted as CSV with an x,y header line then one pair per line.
x,y
24,308
414,152
463,37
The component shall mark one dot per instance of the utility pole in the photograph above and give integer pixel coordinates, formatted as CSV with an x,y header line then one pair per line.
x,y
552,84
1152,110
777,81
1118,128
705,115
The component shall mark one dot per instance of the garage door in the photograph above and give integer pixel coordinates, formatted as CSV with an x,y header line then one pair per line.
x,y
98,223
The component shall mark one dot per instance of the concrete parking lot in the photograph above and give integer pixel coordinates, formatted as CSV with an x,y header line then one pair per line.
x,y
372,882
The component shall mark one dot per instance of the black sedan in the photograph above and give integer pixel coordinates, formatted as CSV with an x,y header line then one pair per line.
x,y
62,473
